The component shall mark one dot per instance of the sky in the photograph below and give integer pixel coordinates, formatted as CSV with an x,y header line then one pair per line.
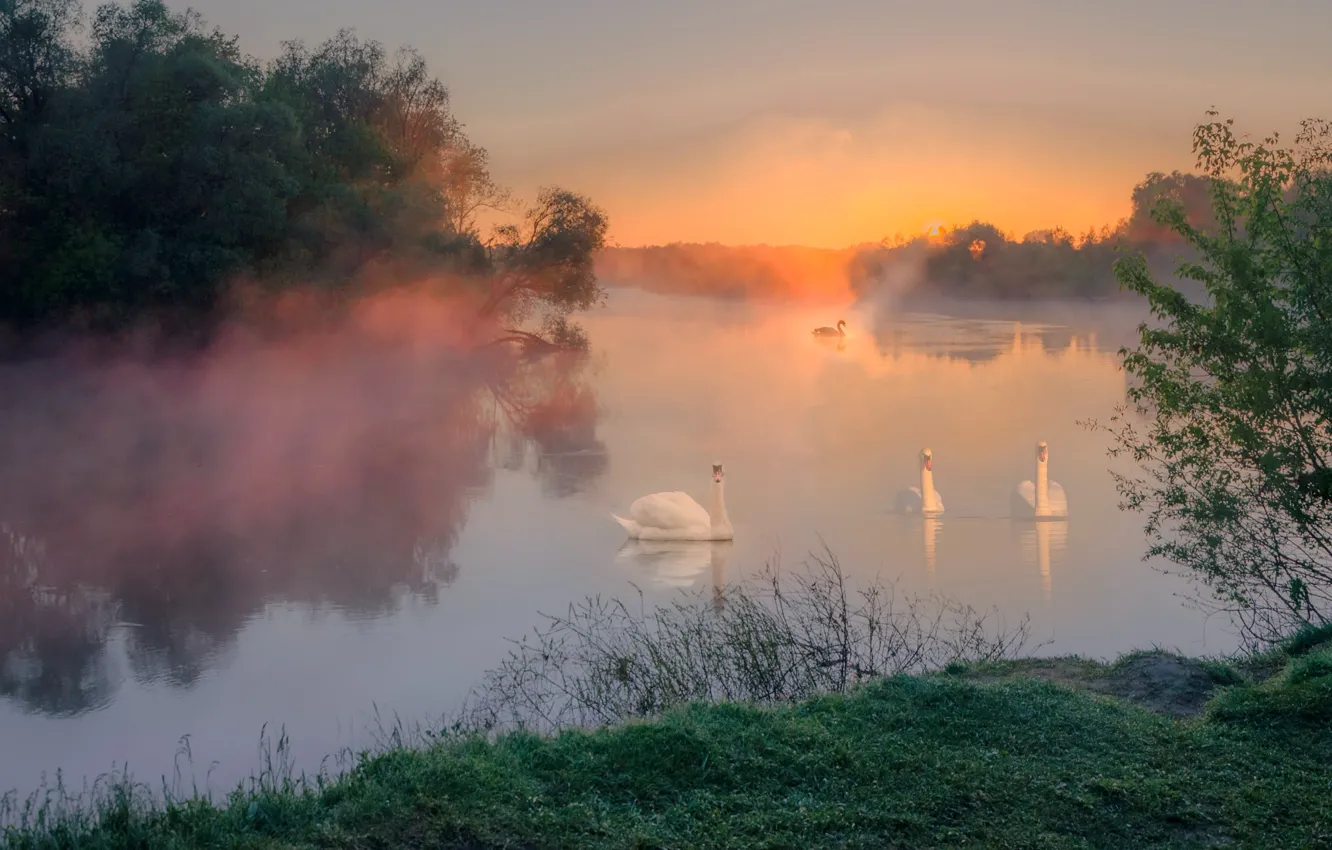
x,y
836,122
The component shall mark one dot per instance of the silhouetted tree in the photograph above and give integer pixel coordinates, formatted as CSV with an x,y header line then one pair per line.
x,y
545,266
1192,193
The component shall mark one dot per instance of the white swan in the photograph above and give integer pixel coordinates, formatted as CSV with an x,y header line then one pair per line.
x,y
923,499
1043,500
676,516
837,331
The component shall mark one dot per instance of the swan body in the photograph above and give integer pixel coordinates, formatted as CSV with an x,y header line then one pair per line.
x,y
837,331
1043,498
923,499
676,516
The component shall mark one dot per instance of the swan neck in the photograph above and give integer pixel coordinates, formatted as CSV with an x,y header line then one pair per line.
x,y
1042,485
718,510
927,497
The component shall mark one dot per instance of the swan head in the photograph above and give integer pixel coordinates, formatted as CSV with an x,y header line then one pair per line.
x,y
927,459
841,323
717,473
1042,452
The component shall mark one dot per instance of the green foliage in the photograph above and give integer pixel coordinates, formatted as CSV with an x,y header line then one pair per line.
x,y
1301,694
1233,392
902,762
1222,673
980,752
1307,638
146,172
149,177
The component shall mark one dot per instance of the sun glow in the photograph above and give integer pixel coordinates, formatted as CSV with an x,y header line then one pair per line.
x,y
935,230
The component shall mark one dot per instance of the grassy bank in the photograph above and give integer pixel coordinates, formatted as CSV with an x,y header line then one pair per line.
x,y
1153,750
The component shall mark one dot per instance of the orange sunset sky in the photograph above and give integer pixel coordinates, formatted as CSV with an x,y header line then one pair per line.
x,y
841,121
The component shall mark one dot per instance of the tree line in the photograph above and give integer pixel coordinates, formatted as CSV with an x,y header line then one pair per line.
x,y
980,260
147,164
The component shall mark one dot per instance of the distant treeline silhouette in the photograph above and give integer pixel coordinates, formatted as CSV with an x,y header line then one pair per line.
x,y
727,271
978,260
149,166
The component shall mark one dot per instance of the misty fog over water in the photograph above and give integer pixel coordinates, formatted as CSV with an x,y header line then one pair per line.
x,y
299,534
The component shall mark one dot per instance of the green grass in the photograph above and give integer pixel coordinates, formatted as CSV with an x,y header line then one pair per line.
x,y
953,759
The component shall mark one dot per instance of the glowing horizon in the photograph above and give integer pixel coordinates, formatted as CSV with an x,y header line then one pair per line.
x,y
836,124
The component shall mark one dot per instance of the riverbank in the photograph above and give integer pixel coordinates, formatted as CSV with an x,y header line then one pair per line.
x,y
1152,750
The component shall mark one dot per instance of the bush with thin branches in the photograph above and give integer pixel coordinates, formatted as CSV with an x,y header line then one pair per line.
x,y
777,638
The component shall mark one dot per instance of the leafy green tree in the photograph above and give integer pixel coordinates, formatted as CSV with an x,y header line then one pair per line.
x,y
1230,413
151,178
146,172
36,59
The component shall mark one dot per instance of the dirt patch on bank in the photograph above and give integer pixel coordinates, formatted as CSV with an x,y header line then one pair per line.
x,y
1158,681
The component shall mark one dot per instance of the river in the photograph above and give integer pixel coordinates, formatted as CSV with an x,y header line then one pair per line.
x,y
310,539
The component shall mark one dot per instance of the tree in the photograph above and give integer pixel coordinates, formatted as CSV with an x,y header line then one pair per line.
x,y
149,177
147,170
544,266
1192,192
1230,417
36,58
468,186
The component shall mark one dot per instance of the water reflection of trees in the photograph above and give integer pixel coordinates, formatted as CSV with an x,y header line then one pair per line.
x,y
180,504
974,340
52,641
559,423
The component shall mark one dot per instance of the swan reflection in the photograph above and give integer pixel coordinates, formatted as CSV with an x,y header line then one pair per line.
x,y
836,343
930,527
719,559
1044,544
678,563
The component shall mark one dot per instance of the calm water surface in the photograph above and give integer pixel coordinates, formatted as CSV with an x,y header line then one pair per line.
x,y
303,538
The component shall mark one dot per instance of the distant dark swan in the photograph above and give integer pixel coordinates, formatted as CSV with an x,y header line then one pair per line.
x,y
837,331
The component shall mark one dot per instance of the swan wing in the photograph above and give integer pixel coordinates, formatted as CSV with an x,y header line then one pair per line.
x,y
908,501
669,510
1023,500
1058,501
